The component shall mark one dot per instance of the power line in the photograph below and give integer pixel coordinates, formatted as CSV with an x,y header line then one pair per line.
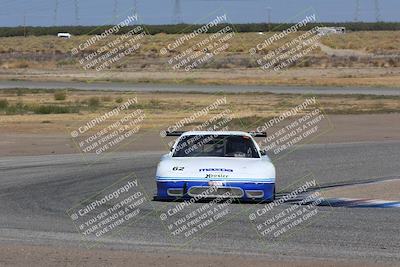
x,y
377,11
177,16
115,12
135,12
24,23
55,12
269,10
76,3
357,11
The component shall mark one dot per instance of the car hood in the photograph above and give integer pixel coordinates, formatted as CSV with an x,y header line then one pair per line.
x,y
214,168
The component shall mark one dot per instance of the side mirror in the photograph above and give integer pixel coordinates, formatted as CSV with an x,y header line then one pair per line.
x,y
263,152
171,148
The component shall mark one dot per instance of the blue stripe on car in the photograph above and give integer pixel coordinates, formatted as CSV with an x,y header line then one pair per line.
x,y
228,180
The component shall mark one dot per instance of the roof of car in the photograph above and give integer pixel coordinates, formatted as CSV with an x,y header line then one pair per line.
x,y
240,133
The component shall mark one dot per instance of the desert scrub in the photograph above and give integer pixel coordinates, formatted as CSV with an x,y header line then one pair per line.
x,y
54,109
3,103
94,102
60,95
22,108
106,98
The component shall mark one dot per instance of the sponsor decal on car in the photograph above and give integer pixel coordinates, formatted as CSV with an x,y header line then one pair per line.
x,y
210,175
215,170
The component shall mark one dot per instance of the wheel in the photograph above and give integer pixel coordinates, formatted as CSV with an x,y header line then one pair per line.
x,y
273,195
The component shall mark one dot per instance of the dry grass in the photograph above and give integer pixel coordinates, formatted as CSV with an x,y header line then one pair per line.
x,y
49,58
377,42
52,52
371,41
163,109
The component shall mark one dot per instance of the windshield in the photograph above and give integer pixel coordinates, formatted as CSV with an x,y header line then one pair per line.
x,y
216,146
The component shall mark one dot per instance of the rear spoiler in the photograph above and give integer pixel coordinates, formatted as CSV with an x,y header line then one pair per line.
x,y
174,133
179,133
258,134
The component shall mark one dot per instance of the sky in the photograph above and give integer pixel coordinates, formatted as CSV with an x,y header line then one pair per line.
x,y
101,12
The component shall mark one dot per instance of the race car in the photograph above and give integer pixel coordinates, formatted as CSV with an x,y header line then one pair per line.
x,y
213,164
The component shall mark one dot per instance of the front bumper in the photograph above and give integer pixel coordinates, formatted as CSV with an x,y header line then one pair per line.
x,y
244,191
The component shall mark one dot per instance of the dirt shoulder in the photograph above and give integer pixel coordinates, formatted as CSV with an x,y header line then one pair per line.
x,y
306,76
346,128
34,122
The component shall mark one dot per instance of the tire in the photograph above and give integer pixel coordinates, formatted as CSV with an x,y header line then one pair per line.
x,y
274,195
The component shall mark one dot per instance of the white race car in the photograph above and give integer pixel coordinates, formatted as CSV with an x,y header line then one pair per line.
x,y
215,164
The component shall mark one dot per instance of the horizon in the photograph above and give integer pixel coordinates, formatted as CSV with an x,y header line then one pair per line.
x,y
189,24
166,12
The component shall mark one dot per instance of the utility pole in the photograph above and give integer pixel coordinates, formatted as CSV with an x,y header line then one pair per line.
x,y
115,12
269,9
24,23
177,19
55,12
135,13
357,11
76,3
377,11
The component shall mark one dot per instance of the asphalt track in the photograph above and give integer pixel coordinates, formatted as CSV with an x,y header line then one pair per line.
x,y
35,192
199,88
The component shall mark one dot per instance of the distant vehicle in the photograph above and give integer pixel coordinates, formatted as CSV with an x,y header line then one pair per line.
x,y
331,30
211,164
65,35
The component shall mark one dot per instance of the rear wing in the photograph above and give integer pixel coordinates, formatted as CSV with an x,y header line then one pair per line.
x,y
174,133
179,133
258,134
